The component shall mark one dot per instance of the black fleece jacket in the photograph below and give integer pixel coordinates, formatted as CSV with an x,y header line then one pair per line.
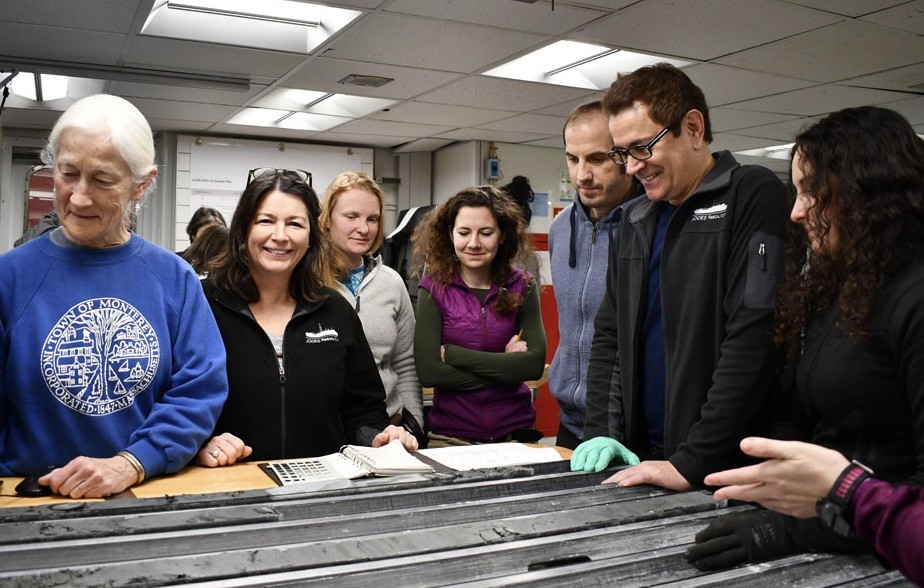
x,y
327,392
723,255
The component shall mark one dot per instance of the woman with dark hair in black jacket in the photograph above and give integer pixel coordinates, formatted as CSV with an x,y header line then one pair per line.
x,y
302,380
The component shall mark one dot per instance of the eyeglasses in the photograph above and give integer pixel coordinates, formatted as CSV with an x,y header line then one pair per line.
x,y
259,172
638,152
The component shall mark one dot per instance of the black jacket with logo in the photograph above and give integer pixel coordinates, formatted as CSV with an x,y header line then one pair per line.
x,y
328,390
723,254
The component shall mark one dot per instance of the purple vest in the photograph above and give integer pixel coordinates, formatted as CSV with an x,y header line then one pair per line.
x,y
494,412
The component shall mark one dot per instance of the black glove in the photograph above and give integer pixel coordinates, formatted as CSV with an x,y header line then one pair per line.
x,y
741,537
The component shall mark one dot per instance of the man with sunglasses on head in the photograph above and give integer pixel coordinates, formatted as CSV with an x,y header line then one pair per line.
x,y
680,368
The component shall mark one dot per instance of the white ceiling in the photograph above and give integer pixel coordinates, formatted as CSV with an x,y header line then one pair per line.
x,y
767,67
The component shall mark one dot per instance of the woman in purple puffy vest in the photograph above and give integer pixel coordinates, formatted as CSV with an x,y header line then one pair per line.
x,y
479,331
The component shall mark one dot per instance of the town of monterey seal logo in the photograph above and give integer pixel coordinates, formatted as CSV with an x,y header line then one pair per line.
x,y
99,356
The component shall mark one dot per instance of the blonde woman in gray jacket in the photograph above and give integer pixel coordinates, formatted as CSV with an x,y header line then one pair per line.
x,y
351,215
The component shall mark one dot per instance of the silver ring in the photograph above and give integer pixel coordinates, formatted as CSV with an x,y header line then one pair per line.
x,y
215,453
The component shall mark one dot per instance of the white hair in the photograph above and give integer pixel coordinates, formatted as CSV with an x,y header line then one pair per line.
x,y
129,132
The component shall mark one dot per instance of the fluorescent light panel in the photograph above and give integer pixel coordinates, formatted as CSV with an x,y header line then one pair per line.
x,y
285,119
53,87
771,152
323,103
281,25
576,65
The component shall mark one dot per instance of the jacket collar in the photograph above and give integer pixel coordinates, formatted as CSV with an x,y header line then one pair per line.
x,y
718,178
233,302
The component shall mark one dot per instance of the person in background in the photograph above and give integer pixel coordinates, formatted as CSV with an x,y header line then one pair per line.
x,y
579,247
850,321
208,249
520,191
479,330
202,218
351,217
111,365
47,223
681,367
302,379
804,480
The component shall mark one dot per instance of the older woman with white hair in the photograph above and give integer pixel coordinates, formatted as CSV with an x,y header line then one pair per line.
x,y
111,366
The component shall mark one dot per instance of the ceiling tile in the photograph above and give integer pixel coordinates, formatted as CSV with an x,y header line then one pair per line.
x,y
485,135
267,132
178,126
818,100
180,55
501,13
387,141
907,17
531,123
182,111
77,47
555,142
911,108
834,53
852,8
432,44
420,145
783,132
94,15
900,79
728,119
726,85
372,126
324,73
702,29
734,142
565,108
488,92
184,94
441,114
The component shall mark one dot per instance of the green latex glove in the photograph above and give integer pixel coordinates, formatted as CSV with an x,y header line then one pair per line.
x,y
595,454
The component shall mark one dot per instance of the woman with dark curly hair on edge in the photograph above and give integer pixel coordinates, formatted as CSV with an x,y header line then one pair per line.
x,y
850,320
479,331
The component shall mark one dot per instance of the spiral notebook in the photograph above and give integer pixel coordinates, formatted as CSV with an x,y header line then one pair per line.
x,y
353,461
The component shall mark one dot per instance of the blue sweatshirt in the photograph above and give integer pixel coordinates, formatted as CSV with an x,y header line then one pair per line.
x,y
104,350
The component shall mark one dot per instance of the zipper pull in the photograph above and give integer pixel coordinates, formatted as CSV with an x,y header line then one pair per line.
x,y
762,252
282,374
357,304
484,312
593,233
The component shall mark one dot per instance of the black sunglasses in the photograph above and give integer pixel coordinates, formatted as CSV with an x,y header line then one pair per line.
x,y
261,172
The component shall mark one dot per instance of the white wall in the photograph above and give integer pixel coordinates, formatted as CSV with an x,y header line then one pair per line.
x,y
455,167
544,166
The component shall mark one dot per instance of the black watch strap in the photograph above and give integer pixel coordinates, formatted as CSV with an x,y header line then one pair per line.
x,y
831,508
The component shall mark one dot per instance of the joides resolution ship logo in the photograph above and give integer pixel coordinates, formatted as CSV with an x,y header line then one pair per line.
x,y
99,356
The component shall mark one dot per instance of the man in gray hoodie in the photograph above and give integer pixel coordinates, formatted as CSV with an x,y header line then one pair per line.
x,y
579,244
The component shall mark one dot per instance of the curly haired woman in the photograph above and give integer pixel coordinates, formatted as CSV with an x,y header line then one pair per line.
x,y
479,330
850,320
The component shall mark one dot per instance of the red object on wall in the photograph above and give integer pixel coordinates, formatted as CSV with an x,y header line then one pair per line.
x,y
546,406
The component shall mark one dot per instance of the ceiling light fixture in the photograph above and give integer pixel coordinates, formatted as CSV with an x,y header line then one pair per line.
x,y
274,25
581,62
771,152
205,8
127,74
576,65
40,88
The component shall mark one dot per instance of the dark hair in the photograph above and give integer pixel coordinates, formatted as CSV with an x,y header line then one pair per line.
x,y
864,169
669,93
580,111
208,250
522,193
311,273
433,243
203,216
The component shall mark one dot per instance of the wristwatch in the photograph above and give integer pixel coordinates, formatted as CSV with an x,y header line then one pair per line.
x,y
831,508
